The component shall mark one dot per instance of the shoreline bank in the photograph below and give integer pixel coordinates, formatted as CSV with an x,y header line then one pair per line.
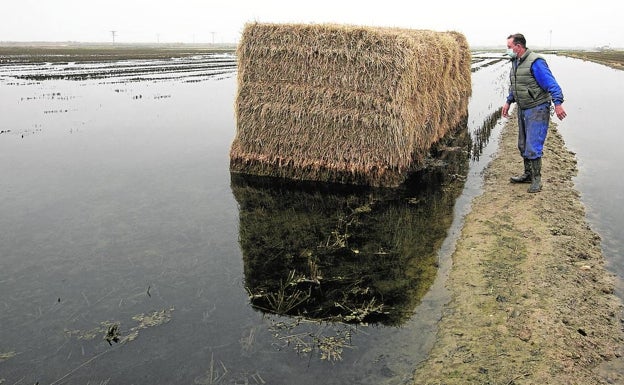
x,y
531,299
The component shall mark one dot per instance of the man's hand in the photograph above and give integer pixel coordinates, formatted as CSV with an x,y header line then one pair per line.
x,y
559,111
506,110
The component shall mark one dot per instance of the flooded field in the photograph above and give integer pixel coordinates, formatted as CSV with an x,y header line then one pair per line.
x,y
595,137
130,254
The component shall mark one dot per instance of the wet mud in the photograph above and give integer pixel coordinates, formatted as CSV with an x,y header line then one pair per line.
x,y
532,301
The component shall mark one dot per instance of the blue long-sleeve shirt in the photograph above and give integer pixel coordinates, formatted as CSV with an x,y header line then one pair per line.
x,y
545,79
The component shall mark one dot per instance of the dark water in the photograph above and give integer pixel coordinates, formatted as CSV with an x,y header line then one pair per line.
x,y
120,220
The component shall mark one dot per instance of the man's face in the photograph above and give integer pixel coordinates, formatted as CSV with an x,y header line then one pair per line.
x,y
512,46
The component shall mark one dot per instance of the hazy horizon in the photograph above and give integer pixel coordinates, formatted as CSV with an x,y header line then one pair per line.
x,y
545,24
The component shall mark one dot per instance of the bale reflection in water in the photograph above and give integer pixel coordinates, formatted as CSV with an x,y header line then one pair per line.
x,y
347,254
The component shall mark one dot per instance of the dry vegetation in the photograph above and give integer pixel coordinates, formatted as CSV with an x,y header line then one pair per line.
x,y
75,52
611,58
344,103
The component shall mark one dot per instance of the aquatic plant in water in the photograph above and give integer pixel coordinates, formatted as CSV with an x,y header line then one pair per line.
x,y
6,356
328,340
112,332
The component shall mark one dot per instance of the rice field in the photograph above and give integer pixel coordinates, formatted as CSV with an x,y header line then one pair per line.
x,y
82,52
130,253
124,64
611,58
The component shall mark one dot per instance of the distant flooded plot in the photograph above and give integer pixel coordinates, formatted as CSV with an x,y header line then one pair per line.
x,y
482,60
194,68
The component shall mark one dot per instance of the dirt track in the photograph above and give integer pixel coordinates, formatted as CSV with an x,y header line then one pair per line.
x,y
531,300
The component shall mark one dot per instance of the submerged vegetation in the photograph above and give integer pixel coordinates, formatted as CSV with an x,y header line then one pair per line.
x,y
6,356
327,340
483,133
111,330
125,63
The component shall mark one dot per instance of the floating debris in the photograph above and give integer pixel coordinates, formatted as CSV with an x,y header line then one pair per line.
x,y
145,321
112,334
214,374
329,340
6,356
112,330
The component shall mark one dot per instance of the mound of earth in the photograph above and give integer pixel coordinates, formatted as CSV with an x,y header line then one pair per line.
x,y
532,302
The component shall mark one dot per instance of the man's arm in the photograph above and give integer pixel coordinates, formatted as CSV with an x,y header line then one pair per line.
x,y
547,81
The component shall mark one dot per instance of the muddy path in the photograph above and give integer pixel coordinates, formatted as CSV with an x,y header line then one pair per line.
x,y
531,300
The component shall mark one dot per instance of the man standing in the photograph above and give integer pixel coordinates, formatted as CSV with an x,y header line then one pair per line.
x,y
533,87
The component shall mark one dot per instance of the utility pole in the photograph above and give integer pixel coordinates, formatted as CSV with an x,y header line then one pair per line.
x,y
550,40
213,34
113,33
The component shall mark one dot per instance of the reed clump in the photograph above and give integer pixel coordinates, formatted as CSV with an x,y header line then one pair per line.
x,y
346,104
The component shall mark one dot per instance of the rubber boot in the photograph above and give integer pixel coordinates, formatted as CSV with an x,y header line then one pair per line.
x,y
524,178
536,175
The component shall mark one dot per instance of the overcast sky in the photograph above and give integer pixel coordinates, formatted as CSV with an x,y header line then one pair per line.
x,y
545,23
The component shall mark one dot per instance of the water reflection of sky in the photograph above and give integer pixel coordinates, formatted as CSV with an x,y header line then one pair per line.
x,y
593,130
118,207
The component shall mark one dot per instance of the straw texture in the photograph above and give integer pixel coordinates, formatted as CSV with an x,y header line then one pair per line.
x,y
347,104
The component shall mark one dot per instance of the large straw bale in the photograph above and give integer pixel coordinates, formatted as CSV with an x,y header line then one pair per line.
x,y
345,104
